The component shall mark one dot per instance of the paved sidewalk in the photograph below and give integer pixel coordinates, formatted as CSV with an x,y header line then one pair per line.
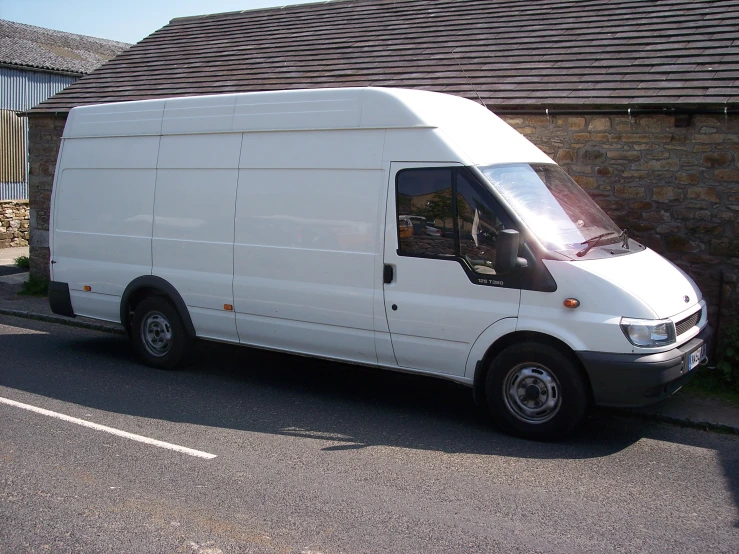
x,y
686,408
681,409
9,273
33,307
8,255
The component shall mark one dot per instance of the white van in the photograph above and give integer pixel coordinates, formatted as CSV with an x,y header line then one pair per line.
x,y
403,229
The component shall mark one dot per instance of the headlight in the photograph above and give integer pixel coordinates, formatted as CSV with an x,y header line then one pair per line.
x,y
648,332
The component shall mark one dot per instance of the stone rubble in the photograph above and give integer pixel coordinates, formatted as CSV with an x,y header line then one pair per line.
x,y
14,223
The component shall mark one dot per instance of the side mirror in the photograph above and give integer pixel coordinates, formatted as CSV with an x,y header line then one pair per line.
x,y
506,252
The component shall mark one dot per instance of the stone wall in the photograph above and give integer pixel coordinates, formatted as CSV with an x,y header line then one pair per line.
x,y
676,189
13,223
44,138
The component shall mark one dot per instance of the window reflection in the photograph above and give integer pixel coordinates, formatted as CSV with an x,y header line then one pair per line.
x,y
426,218
478,228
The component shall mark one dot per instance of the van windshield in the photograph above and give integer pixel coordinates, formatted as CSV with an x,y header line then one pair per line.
x,y
552,205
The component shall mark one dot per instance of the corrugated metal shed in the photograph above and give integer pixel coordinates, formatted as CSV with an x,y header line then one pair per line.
x,y
20,90
12,152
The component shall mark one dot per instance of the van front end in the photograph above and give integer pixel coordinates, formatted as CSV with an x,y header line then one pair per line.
x,y
632,327
664,331
639,325
634,380
635,326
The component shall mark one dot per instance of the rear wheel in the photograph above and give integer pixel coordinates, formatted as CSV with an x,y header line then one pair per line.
x,y
536,392
158,333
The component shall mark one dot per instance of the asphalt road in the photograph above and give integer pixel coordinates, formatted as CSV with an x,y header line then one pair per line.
x,y
314,457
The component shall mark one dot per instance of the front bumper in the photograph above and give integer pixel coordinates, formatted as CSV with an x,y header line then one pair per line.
x,y
632,380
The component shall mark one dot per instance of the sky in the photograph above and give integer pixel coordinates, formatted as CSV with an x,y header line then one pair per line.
x,y
122,20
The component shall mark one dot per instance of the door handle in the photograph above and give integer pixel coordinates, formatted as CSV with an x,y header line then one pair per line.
x,y
387,274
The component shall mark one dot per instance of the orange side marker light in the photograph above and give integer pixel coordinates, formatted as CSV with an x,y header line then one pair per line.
x,y
228,307
571,303
87,288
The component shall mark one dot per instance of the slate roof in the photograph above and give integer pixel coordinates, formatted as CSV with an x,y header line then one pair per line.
x,y
515,54
35,47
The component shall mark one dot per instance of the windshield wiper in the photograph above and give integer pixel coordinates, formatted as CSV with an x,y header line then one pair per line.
x,y
592,242
625,235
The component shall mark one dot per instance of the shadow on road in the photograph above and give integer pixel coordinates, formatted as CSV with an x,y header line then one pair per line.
x,y
258,391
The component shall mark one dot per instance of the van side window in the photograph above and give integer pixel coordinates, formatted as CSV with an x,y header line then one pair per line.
x,y
478,227
425,215
446,213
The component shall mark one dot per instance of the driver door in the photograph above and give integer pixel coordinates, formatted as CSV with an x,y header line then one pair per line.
x,y
440,290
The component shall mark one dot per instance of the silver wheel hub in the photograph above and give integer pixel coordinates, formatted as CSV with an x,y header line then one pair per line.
x,y
156,334
532,393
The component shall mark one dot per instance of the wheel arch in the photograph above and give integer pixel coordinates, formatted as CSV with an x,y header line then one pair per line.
x,y
517,337
148,285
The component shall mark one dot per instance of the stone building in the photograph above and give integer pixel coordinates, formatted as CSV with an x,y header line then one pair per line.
x,y
636,99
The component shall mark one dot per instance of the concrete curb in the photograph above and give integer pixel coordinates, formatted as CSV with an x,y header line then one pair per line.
x,y
682,422
63,320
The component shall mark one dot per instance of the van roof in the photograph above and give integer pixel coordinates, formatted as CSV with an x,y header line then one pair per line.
x,y
333,108
471,126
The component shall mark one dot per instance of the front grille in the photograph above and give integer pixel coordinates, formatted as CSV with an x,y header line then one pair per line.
x,y
687,323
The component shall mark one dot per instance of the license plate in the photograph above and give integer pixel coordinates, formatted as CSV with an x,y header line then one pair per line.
x,y
696,356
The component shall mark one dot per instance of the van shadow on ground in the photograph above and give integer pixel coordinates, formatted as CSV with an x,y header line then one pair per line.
x,y
247,389
259,391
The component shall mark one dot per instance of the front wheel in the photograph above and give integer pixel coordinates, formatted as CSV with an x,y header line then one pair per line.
x,y
535,392
158,333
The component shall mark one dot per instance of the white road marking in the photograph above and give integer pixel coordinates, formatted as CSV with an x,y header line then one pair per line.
x,y
111,430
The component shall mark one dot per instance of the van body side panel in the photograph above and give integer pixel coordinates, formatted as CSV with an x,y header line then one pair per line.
x,y
97,306
304,263
383,344
298,109
193,226
119,119
103,213
209,114
305,244
420,145
497,330
347,150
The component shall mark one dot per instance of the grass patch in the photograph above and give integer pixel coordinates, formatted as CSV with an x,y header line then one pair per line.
x,y
710,382
35,287
23,262
721,379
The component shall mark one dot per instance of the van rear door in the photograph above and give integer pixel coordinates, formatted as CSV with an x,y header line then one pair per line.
x,y
440,290
101,225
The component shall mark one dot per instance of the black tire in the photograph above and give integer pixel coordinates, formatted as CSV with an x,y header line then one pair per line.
x,y
535,392
158,334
